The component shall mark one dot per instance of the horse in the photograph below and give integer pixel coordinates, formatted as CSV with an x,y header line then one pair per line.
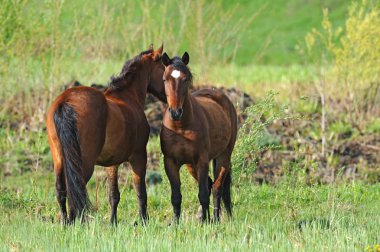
x,y
197,128
88,127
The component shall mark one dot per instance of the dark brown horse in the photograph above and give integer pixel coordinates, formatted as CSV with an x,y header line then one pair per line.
x,y
197,128
86,127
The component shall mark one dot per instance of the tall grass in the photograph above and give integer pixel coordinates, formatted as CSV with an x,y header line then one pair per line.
x,y
44,45
55,32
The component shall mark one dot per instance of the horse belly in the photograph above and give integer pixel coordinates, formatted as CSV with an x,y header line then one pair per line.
x,y
220,129
120,137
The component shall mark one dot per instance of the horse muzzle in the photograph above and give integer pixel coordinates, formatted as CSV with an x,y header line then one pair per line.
x,y
175,115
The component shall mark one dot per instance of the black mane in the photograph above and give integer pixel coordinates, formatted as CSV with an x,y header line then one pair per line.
x,y
130,66
178,64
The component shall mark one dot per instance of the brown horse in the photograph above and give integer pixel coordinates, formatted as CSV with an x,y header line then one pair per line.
x,y
86,127
197,128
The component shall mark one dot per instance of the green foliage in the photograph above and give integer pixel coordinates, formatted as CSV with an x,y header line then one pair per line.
x,y
354,52
375,248
253,136
373,126
341,129
307,106
10,200
61,28
23,151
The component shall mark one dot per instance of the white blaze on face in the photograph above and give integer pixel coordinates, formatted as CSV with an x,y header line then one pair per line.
x,y
175,74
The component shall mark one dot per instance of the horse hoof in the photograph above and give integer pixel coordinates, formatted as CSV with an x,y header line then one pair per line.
x,y
199,214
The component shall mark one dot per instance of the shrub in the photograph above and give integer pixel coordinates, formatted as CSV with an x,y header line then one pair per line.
x,y
253,136
354,54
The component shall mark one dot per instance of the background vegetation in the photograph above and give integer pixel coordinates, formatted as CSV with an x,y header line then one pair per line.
x,y
316,135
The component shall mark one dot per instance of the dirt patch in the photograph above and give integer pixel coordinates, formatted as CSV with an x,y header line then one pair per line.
x,y
348,158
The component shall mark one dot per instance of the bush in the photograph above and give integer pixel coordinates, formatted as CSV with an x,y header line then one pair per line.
x,y
253,136
354,54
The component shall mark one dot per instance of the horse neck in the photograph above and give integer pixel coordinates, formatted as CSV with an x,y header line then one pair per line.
x,y
135,91
188,107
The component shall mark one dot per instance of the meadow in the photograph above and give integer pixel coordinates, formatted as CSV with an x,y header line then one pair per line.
x,y
306,168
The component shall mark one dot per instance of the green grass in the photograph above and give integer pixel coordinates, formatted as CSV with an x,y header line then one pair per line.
x,y
117,28
45,45
266,218
280,27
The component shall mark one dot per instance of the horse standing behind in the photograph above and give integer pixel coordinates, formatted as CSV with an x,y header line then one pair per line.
x,y
197,128
87,127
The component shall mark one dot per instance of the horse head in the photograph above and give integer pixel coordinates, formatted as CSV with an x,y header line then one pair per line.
x,y
177,81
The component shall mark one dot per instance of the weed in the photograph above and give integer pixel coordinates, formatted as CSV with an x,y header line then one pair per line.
x,y
253,136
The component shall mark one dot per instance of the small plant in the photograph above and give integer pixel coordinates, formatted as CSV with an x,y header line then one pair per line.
x,y
341,130
253,136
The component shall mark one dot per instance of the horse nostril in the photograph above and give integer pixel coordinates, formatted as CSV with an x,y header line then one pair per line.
x,y
175,114
180,111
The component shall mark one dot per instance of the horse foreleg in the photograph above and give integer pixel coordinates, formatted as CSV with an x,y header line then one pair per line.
x,y
113,192
204,192
172,171
138,163
193,172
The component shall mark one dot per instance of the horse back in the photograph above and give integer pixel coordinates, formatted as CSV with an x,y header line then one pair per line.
x,y
206,96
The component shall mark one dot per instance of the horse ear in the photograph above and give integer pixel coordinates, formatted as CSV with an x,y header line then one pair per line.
x,y
185,58
161,48
165,60
150,47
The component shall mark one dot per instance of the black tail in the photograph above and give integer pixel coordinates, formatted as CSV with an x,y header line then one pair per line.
x,y
226,193
65,120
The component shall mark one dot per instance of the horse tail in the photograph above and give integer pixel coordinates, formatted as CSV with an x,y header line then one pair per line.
x,y
226,193
65,120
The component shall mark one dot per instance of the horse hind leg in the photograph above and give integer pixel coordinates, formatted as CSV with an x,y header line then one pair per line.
x,y
61,194
138,163
113,192
204,192
221,188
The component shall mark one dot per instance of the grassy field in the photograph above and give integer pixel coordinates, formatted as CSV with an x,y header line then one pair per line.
x,y
255,46
286,217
